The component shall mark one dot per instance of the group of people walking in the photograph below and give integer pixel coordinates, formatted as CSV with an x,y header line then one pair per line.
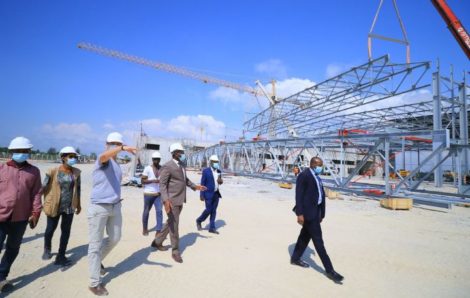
x,y
164,187
21,191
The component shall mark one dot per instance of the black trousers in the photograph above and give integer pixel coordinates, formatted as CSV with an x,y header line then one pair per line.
x,y
65,226
13,232
312,230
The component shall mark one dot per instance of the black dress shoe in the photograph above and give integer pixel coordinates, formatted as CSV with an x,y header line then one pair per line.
x,y
335,276
6,286
299,263
198,225
47,255
214,232
63,261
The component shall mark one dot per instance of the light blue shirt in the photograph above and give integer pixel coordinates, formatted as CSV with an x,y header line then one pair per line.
x,y
320,193
106,183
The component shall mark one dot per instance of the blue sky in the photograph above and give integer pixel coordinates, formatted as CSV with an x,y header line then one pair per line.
x,y
58,95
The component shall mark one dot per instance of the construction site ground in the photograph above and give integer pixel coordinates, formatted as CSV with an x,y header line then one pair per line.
x,y
382,253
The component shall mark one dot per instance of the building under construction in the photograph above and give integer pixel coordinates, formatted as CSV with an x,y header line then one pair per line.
x,y
406,123
336,120
402,124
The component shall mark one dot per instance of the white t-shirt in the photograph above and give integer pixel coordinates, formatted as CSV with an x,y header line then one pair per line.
x,y
150,188
216,175
320,195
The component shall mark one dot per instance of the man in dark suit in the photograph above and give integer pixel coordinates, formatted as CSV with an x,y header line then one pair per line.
x,y
310,210
212,179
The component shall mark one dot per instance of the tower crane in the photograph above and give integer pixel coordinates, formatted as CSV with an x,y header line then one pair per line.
x,y
168,68
272,98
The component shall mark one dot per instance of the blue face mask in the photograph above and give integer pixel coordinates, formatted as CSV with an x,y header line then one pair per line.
x,y
318,170
71,161
215,165
20,157
182,157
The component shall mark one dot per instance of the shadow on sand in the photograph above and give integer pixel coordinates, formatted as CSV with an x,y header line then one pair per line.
x,y
306,257
189,240
138,258
75,254
219,223
32,238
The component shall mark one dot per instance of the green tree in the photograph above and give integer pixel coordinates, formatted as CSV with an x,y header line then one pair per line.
x,y
52,150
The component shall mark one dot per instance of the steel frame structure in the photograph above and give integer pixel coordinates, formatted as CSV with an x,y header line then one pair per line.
x,y
363,85
437,125
249,158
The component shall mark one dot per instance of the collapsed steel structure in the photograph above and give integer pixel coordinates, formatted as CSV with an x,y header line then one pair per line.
x,y
366,115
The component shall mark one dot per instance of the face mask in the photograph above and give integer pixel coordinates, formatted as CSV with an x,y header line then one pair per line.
x,y
20,157
71,161
215,165
318,170
182,157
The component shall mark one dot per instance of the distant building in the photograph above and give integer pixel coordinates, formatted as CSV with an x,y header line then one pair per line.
x,y
147,145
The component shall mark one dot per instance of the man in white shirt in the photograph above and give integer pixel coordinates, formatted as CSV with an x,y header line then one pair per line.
x,y
151,182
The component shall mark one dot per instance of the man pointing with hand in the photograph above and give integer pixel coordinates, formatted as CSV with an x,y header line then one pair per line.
x,y
173,182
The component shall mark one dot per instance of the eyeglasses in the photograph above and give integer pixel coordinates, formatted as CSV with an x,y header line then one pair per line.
x,y
71,156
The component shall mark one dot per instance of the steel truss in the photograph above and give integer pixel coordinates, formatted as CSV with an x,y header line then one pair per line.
x,y
274,159
363,85
310,123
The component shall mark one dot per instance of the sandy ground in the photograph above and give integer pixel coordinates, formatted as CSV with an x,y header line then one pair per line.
x,y
381,253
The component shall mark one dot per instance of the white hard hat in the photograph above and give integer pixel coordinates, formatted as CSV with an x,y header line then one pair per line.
x,y
114,137
67,150
20,143
176,146
213,158
156,155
